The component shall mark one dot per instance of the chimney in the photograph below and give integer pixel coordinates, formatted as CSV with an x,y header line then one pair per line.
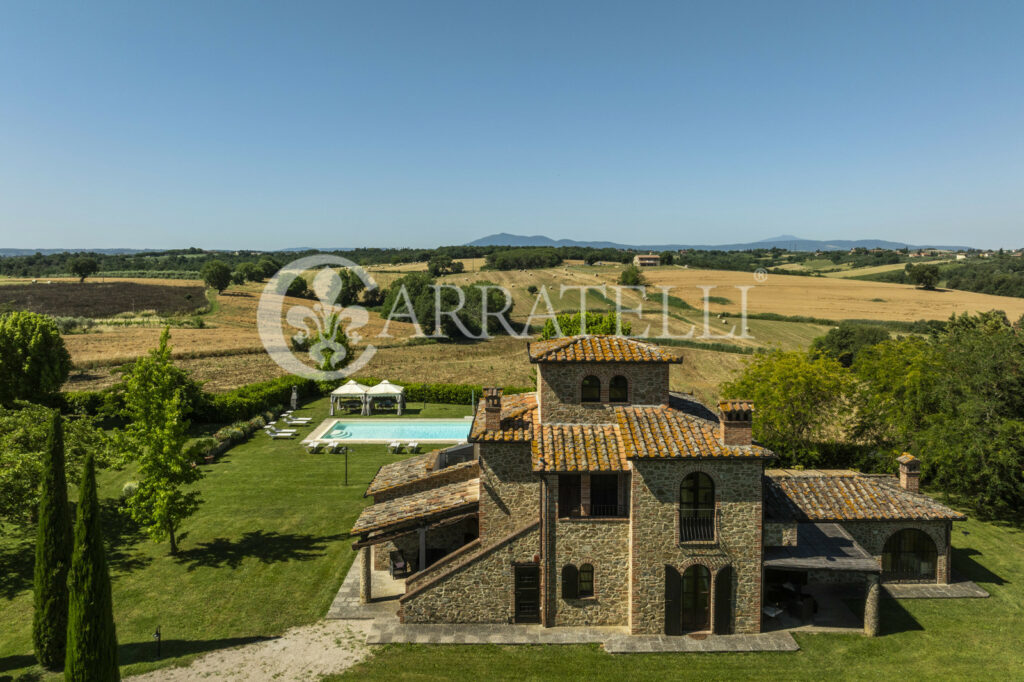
x,y
734,420
910,472
492,408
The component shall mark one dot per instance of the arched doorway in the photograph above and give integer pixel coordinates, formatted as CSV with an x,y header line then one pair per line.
x,y
696,593
909,556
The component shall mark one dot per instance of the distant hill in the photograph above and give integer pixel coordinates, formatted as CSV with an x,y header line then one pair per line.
x,y
47,252
785,241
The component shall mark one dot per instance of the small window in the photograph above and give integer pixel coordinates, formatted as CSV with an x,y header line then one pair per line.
x,y
586,581
569,495
618,390
591,392
570,582
577,583
697,508
604,495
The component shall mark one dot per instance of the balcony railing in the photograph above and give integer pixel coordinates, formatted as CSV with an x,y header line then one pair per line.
x,y
607,510
697,526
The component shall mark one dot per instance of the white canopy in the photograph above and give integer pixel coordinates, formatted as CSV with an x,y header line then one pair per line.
x,y
385,388
352,388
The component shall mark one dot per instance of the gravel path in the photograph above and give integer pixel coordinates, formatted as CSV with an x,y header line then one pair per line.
x,y
302,653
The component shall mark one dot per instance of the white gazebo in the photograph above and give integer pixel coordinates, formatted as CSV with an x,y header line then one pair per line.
x,y
352,390
384,389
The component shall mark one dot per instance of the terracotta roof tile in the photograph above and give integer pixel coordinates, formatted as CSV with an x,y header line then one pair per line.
x,y
518,413
578,447
421,505
816,495
406,471
663,432
598,349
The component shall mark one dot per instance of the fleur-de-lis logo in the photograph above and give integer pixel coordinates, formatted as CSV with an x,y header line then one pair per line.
x,y
325,331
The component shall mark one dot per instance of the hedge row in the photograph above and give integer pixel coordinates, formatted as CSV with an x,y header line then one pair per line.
x,y
247,401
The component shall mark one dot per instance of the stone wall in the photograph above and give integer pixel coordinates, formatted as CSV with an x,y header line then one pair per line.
x,y
559,387
509,490
871,535
481,590
780,534
655,544
604,544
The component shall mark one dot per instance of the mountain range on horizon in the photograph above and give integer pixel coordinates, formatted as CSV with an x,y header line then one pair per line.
x,y
786,241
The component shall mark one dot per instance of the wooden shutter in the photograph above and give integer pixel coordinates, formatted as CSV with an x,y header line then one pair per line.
x,y
673,602
570,582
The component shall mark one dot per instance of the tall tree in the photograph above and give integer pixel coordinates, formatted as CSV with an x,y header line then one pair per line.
x,y
83,266
216,275
53,555
155,438
91,637
33,360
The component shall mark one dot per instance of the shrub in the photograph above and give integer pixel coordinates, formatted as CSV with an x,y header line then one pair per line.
x,y
128,489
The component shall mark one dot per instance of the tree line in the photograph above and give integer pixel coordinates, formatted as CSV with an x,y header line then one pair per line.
x,y
73,625
953,398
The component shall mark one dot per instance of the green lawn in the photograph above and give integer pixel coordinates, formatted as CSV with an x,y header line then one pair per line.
x,y
266,551
922,639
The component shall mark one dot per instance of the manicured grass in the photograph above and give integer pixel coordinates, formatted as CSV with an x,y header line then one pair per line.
x,y
922,639
266,551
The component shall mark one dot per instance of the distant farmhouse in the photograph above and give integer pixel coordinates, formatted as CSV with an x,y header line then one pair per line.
x,y
603,499
644,260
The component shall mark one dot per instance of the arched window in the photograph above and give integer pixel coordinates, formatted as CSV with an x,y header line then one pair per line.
x,y
910,555
697,508
618,390
577,583
591,392
586,581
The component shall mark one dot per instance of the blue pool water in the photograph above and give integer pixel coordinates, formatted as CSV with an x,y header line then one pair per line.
x,y
400,429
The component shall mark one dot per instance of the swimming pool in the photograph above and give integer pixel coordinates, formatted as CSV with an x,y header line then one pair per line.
x,y
387,430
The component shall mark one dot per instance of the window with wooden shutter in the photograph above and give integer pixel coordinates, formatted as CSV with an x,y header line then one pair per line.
x,y
586,581
570,582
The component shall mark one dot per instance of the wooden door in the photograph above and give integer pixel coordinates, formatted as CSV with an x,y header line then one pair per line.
x,y
673,602
527,607
696,593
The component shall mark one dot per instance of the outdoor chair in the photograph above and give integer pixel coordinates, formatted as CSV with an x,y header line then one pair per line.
x,y
395,447
280,434
314,446
413,446
271,429
397,563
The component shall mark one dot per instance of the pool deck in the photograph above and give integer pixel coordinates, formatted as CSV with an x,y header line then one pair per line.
x,y
318,433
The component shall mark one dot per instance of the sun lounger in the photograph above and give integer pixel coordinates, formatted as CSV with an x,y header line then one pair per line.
x,y
395,447
280,434
413,446
314,446
271,429
299,421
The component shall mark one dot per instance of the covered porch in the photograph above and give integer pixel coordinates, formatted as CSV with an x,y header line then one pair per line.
x,y
808,586
405,535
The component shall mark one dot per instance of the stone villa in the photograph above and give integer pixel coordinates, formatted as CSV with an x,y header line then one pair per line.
x,y
604,499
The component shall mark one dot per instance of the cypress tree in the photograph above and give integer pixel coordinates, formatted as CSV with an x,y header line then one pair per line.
x,y
92,641
53,554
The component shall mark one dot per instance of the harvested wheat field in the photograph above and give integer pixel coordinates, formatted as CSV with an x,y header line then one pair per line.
x,y
830,298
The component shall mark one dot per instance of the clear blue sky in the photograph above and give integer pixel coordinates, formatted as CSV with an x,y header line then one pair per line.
x,y
267,125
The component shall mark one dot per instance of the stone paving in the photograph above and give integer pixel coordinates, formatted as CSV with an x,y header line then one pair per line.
x,y
962,589
616,640
384,632
646,644
346,605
